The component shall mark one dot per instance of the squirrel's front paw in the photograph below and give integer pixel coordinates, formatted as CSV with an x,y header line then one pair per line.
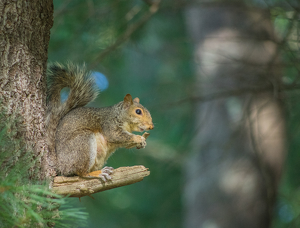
x,y
141,142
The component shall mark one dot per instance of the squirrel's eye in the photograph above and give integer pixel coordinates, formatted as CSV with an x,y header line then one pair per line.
x,y
138,111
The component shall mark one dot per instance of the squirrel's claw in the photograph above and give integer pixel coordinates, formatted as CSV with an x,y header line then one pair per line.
x,y
105,173
142,143
107,169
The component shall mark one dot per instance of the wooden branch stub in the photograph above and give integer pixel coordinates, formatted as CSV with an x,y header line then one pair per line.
x,y
146,135
79,187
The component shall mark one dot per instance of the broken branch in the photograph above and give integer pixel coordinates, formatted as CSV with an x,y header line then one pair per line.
x,y
79,187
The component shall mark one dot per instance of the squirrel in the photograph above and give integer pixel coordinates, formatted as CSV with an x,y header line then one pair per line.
x,y
84,137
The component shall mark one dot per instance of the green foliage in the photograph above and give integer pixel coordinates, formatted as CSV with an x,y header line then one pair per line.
x,y
288,206
156,65
24,202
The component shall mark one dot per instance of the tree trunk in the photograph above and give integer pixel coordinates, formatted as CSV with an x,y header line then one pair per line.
x,y
24,38
234,169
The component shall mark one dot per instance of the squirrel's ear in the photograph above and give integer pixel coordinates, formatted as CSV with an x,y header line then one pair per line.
x,y
127,101
137,100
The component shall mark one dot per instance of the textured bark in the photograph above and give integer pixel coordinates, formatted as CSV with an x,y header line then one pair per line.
x,y
237,156
79,187
24,38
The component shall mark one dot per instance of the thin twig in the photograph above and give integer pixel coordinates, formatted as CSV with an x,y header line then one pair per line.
x,y
229,93
131,29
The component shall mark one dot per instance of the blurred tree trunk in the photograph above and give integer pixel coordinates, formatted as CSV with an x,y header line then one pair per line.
x,y
24,38
238,152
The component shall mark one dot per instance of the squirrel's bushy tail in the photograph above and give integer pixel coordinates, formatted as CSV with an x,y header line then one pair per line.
x,y
82,91
77,79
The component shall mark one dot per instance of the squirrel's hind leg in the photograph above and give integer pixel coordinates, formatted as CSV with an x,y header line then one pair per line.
x,y
73,154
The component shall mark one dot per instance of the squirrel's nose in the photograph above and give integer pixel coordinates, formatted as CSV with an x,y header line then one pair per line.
x,y
151,127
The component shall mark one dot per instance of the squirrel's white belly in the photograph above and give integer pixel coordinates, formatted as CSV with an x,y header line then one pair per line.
x,y
99,151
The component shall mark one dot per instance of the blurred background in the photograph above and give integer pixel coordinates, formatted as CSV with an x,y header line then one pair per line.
x,y
221,80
